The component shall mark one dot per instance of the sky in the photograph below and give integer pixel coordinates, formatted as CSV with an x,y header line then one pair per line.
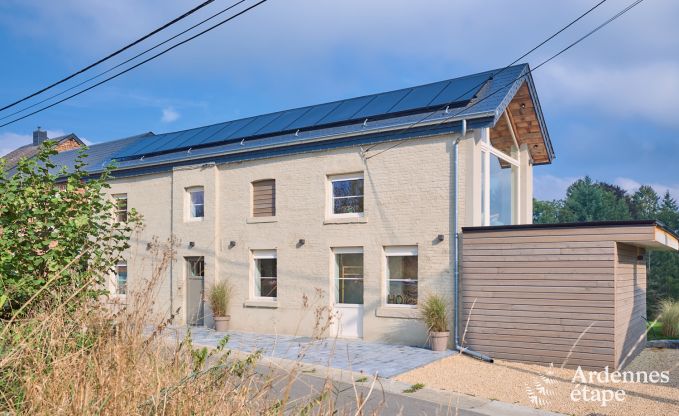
x,y
610,103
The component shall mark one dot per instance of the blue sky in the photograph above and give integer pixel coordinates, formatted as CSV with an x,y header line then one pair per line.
x,y
610,103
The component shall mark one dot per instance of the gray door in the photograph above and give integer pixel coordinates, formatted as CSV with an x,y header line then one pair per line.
x,y
195,291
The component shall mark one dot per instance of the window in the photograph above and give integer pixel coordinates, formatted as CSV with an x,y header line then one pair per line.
x,y
401,269
196,267
346,195
499,186
121,207
196,203
264,198
265,273
121,278
349,275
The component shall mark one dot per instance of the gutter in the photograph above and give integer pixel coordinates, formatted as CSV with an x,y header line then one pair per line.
x,y
456,257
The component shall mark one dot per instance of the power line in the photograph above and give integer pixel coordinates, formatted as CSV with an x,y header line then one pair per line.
x,y
495,74
136,65
124,62
119,51
530,71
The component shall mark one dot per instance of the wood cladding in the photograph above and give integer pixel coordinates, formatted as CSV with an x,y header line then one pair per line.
x,y
264,198
529,294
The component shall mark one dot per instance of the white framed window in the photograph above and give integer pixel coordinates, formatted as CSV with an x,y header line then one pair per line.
x,y
195,203
499,186
346,198
401,275
265,274
121,278
120,201
348,275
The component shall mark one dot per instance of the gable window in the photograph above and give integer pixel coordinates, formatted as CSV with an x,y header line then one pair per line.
x,y
401,275
265,273
121,278
499,187
346,195
196,199
264,198
120,201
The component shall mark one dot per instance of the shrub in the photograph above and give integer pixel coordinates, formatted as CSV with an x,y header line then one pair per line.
x,y
55,233
219,297
669,318
435,313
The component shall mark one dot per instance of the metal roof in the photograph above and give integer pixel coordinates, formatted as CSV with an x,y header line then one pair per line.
x,y
480,99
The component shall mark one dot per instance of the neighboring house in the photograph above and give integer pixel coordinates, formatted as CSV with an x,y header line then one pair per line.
x,y
63,143
347,204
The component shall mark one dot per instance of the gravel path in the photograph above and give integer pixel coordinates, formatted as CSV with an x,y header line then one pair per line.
x,y
550,389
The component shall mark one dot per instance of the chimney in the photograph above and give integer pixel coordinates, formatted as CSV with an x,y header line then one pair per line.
x,y
39,136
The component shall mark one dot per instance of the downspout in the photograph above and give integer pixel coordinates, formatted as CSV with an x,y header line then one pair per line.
x,y
456,256
171,240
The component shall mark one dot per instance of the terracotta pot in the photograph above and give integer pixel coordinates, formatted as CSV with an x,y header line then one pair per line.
x,y
222,323
439,340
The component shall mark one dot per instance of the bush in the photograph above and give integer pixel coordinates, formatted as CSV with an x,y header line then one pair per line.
x,y
669,318
435,314
219,297
55,234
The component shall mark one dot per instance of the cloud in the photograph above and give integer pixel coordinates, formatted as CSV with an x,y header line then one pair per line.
x,y
631,186
549,187
648,90
169,115
10,141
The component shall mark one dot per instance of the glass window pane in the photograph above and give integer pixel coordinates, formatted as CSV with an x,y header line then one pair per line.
x,y
351,205
267,267
501,190
268,287
484,214
350,291
402,267
402,293
349,287
352,187
197,211
121,275
197,197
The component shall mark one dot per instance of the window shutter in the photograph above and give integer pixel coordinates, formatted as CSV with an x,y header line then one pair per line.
x,y
264,198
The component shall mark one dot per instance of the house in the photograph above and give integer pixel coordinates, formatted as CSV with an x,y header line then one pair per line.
x,y
63,143
352,204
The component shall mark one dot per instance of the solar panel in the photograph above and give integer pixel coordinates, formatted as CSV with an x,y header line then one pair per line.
x,y
257,124
419,97
202,134
170,140
456,91
346,110
313,116
460,90
228,130
382,103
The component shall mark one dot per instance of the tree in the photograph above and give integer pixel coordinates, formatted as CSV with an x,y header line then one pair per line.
x,y
645,203
55,234
590,201
547,212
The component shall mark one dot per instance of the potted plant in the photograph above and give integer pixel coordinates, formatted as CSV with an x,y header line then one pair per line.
x,y
435,316
219,297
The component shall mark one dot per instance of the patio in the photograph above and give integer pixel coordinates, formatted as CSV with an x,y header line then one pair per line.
x,y
353,355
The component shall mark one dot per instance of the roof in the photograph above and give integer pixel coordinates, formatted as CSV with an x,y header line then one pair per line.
x,y
661,238
413,112
28,151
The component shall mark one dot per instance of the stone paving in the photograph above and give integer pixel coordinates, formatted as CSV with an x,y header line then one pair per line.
x,y
355,355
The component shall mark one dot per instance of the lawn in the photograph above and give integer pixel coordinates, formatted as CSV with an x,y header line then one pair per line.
x,y
655,332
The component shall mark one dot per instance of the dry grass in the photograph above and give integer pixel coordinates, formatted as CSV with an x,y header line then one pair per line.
x,y
92,360
511,381
669,318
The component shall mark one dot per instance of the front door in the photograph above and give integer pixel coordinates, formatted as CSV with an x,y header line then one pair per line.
x,y
348,288
195,291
